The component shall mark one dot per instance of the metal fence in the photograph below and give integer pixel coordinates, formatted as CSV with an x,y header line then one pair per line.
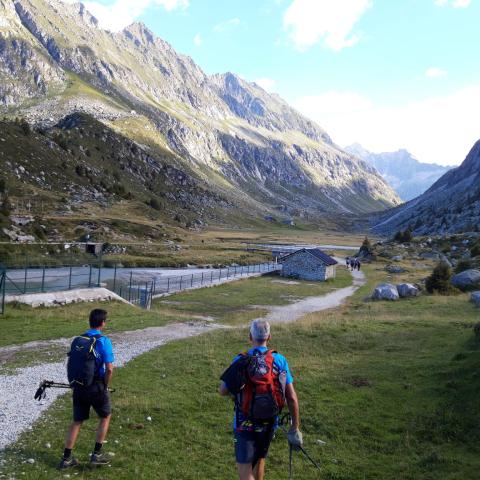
x,y
138,286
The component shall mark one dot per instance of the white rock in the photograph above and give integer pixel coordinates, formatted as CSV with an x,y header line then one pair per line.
x,y
149,419
385,291
31,461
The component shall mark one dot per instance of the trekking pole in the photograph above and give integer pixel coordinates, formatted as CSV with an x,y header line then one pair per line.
x,y
287,419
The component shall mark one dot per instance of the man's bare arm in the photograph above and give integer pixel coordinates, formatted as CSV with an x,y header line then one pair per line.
x,y
108,373
292,402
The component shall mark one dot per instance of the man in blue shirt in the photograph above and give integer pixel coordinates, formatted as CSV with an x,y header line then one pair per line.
x,y
253,436
95,395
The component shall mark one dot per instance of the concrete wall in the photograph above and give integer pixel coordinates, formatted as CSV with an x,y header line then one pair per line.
x,y
307,267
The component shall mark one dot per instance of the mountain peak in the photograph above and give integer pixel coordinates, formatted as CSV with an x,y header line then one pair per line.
x,y
139,32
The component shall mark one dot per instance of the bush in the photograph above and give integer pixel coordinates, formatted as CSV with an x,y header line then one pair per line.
x,y
25,126
366,249
439,280
403,236
475,250
462,265
476,331
6,207
155,204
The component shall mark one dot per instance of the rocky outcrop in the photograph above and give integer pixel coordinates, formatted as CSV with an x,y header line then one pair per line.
x,y
467,280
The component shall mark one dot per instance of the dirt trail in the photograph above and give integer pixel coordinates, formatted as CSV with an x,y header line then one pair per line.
x,y
294,311
18,411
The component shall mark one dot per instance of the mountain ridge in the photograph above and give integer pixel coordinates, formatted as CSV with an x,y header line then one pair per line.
x,y
228,132
406,174
451,205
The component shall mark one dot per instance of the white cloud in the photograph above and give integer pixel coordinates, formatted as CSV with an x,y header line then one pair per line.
x,y
268,84
436,129
226,25
435,72
453,3
197,40
328,21
121,13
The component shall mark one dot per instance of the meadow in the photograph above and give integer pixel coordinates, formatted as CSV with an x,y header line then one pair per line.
x,y
391,388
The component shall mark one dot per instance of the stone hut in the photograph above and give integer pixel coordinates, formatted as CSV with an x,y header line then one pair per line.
x,y
309,264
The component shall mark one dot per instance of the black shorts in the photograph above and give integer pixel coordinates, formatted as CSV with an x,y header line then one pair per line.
x,y
251,446
95,396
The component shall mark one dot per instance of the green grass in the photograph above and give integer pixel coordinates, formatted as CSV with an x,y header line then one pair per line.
x,y
415,418
391,387
235,302
228,303
22,324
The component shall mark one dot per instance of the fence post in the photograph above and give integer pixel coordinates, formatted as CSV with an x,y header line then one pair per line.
x,y
70,278
228,271
168,285
3,281
211,276
90,277
25,280
181,277
42,289
115,277
202,280
191,281
130,287
235,271
99,273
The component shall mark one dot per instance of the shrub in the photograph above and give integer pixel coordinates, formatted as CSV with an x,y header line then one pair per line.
x,y
25,126
476,331
403,236
155,204
366,249
475,250
462,265
439,280
6,207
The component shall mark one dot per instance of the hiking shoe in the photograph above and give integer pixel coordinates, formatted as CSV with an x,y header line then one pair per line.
x,y
98,459
67,463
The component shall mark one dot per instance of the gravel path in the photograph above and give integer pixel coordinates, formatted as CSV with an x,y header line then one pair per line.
x,y
294,311
18,410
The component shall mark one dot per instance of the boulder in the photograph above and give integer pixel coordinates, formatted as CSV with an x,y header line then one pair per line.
x,y
467,280
397,258
406,290
394,269
475,298
385,291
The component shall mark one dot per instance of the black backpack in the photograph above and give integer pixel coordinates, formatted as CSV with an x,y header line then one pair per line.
x,y
82,365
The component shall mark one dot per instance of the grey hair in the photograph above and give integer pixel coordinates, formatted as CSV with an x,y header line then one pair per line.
x,y
260,330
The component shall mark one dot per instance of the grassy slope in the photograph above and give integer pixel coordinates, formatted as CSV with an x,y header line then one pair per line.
x,y
417,418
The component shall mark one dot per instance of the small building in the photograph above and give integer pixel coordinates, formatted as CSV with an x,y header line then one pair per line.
x,y
309,264
93,248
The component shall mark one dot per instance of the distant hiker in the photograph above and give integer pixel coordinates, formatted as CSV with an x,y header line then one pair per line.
x,y
260,382
347,261
90,369
358,265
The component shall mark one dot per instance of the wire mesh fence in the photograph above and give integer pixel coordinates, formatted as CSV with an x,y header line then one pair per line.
x,y
136,285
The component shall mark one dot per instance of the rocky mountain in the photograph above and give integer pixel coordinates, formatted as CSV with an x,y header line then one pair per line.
x,y
232,137
450,205
408,176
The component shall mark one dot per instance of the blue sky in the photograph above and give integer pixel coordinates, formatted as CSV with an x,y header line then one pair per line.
x,y
386,73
